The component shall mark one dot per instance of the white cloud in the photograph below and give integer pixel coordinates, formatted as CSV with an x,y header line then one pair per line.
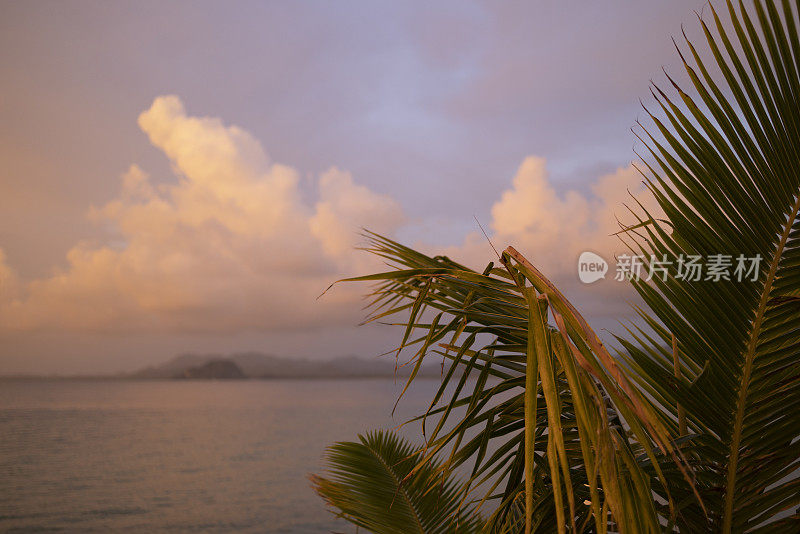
x,y
343,208
231,246
552,229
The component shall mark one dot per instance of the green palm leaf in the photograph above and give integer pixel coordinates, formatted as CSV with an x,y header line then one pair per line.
x,y
366,483
725,168
541,424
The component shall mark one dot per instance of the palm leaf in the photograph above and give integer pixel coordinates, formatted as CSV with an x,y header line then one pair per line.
x,y
552,412
365,483
725,168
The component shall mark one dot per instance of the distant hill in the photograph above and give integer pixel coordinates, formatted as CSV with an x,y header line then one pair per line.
x,y
260,365
215,369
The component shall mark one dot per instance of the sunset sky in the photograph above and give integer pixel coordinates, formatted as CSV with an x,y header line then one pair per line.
x,y
190,176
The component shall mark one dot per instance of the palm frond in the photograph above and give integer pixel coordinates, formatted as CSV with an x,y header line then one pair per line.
x,y
368,483
725,168
553,410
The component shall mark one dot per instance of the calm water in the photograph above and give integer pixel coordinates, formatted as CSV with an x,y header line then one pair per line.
x,y
199,456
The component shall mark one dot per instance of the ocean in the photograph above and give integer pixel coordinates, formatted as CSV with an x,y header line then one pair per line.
x,y
182,456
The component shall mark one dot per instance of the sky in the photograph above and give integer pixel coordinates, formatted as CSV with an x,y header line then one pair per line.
x,y
190,176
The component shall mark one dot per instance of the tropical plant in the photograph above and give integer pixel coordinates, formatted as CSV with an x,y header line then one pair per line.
x,y
366,486
692,425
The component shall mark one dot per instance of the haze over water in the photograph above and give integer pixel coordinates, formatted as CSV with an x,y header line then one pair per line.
x,y
188,456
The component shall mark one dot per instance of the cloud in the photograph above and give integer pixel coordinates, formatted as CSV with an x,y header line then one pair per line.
x,y
553,228
558,227
343,208
230,244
